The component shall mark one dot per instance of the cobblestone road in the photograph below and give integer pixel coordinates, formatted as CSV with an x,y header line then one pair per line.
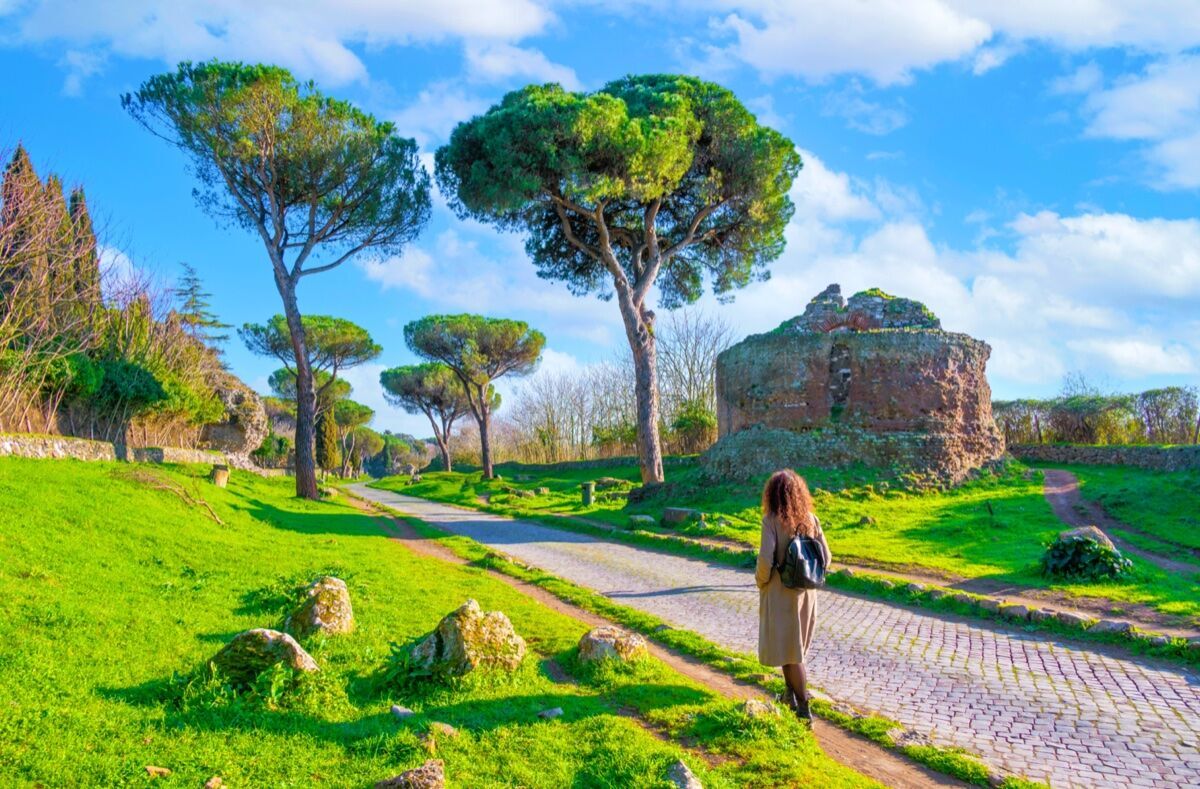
x,y
1043,709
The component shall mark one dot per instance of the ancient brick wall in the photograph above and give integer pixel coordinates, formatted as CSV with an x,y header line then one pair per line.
x,y
872,380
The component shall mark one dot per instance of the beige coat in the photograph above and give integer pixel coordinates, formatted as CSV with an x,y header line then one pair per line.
x,y
786,617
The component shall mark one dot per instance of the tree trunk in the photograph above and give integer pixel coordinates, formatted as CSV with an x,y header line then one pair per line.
x,y
639,329
306,398
645,369
442,437
485,438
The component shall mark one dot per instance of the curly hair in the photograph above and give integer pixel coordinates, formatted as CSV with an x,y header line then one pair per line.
x,y
786,497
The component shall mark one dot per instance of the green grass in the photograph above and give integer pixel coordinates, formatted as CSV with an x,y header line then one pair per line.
x,y
994,527
742,667
114,596
1164,504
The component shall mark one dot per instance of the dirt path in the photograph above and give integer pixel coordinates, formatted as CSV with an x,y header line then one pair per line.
x,y
1044,709
1062,491
852,750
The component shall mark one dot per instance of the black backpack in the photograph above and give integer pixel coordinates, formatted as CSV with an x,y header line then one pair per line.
x,y
803,565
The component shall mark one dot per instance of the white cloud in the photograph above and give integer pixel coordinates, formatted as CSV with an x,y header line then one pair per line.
x,y
1084,79
435,112
993,56
312,38
888,40
861,114
454,273
885,40
500,62
1107,292
79,66
1160,107
1134,357
821,193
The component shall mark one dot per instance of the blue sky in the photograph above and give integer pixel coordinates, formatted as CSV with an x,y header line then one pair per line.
x,y
1031,170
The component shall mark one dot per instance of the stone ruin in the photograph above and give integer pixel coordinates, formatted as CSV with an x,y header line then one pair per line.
x,y
244,426
873,380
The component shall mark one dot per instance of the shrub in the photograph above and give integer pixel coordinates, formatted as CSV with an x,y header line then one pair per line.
x,y
1078,556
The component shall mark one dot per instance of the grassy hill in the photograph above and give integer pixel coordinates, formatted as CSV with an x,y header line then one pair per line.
x,y
115,594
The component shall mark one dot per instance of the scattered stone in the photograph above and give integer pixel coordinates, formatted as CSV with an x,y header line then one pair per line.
x,y
938,594
607,483
682,776
1014,611
401,713
989,604
326,609
906,737
219,475
1086,552
542,491
1159,640
1111,626
444,729
914,587
965,599
677,516
866,520
886,584
1090,533
469,638
757,708
1040,615
609,642
846,571
216,782
431,775
642,522
253,651
1072,619
551,713
1193,644
662,628
996,780
157,772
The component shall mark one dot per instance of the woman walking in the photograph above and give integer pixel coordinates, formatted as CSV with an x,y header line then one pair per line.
x,y
786,617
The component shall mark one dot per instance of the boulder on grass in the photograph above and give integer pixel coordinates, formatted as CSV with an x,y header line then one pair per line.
x,y
682,776
326,609
1086,553
431,775
677,516
642,522
254,651
469,638
610,642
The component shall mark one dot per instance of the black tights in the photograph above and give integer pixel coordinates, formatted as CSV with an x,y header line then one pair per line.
x,y
797,680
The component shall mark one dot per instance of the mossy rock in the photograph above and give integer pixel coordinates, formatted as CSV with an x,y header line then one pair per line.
x,y
326,609
468,639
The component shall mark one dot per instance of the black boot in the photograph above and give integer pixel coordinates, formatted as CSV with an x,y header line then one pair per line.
x,y
802,709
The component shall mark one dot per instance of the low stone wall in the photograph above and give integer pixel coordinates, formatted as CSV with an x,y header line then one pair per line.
x,y
35,446
1153,458
173,455
38,446
613,462
758,451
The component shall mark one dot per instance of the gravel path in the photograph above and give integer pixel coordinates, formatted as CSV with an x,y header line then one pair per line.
x,y
1043,709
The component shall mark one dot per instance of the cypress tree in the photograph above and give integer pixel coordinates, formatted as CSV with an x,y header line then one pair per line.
x,y
60,286
87,259
24,266
195,311
328,452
